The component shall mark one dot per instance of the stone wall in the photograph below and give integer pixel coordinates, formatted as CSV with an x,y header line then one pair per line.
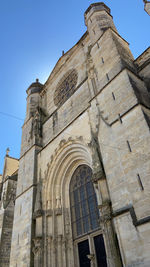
x,y
6,235
6,220
104,124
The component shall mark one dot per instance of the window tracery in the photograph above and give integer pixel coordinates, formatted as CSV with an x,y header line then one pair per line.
x,y
84,208
66,87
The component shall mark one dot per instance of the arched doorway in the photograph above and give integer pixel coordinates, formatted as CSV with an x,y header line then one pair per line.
x,y
88,239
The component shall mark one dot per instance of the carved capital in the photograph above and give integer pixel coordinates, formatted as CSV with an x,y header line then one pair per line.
x,y
37,245
104,218
49,212
105,212
49,239
91,257
105,207
54,243
58,211
37,213
98,176
64,240
59,239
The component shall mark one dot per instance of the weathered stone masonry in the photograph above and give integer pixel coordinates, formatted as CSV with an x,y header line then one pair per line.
x,y
93,113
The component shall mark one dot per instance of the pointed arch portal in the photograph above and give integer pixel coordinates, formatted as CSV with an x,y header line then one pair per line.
x,y
85,218
70,187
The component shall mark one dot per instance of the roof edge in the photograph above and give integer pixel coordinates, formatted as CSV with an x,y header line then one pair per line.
x,y
97,4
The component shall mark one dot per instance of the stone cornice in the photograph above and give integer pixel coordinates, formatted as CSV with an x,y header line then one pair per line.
x,y
131,210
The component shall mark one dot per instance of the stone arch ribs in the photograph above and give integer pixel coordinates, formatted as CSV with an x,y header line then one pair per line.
x,y
60,171
69,155
67,158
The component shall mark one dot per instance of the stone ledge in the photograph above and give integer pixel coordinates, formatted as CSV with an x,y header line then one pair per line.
x,y
131,210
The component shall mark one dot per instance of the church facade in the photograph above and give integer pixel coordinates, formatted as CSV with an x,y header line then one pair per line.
x,y
83,189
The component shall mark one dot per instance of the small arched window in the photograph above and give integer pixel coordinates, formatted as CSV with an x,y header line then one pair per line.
x,y
83,202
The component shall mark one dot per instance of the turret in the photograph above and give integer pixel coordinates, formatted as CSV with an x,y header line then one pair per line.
x,y
98,19
147,6
33,98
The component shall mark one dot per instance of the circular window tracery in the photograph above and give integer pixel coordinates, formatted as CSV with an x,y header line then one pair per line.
x,y
66,87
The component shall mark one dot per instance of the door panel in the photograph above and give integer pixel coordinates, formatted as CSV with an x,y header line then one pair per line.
x,y
83,248
100,251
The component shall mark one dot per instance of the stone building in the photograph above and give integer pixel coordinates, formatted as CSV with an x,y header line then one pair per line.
x,y
8,184
83,190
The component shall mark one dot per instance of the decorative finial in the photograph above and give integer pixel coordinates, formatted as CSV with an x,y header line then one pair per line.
x,y
63,53
37,80
7,151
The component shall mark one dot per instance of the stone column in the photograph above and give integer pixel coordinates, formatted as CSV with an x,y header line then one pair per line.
x,y
54,252
70,253
49,235
67,242
59,251
49,251
64,251
91,257
109,237
37,251
104,204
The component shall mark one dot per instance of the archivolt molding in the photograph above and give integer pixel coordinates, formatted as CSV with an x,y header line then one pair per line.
x,y
67,158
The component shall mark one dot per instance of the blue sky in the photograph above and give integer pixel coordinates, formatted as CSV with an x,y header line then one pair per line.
x,y
33,34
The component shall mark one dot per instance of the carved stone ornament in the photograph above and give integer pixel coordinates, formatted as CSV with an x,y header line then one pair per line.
x,y
36,128
58,211
38,212
98,176
91,257
49,239
98,170
106,214
105,218
37,245
49,212
66,87
37,124
90,65
8,197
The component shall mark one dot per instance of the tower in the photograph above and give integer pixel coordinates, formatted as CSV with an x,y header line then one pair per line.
x,y
23,226
98,19
33,98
